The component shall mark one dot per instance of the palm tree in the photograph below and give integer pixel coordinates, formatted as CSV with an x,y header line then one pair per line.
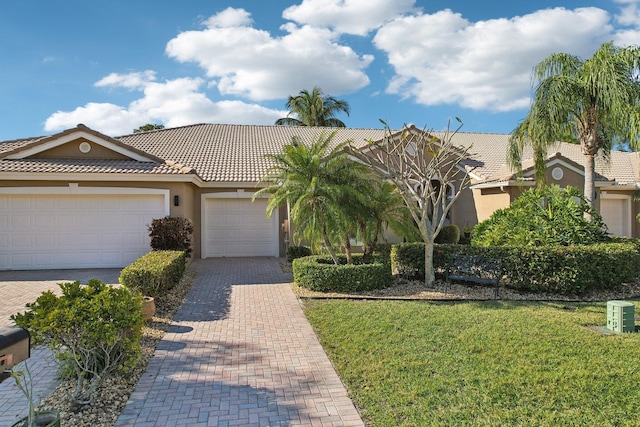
x,y
385,210
314,109
593,102
315,180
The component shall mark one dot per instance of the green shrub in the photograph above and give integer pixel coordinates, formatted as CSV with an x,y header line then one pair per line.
x,y
319,273
449,234
171,234
571,270
294,252
155,273
94,330
407,260
383,250
542,217
567,270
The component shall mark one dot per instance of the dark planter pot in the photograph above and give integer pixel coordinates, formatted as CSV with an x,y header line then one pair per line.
x,y
43,419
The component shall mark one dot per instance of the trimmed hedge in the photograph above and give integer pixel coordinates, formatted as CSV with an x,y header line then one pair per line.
x,y
155,273
294,252
566,270
319,273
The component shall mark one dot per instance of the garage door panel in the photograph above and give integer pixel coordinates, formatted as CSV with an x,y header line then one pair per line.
x,y
22,241
43,222
71,231
616,215
130,239
44,240
22,222
44,203
239,227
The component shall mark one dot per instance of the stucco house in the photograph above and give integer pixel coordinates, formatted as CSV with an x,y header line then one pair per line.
x,y
80,198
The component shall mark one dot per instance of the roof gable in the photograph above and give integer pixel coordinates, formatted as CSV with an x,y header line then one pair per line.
x,y
77,143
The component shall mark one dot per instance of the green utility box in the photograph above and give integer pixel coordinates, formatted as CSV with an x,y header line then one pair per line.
x,y
620,316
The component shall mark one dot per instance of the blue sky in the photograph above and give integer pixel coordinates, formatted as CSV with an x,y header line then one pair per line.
x,y
115,65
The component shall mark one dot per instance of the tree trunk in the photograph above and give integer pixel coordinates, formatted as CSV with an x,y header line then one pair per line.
x,y
347,249
327,244
429,274
589,183
369,247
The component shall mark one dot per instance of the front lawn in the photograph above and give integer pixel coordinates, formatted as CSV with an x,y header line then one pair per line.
x,y
481,364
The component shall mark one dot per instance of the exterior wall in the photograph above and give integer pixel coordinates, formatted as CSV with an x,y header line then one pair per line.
x,y
283,236
184,191
464,211
189,201
569,176
488,200
71,150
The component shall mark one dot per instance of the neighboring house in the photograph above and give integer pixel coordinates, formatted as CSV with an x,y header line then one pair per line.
x,y
83,199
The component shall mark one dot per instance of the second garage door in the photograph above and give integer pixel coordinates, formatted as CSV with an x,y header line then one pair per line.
x,y
239,227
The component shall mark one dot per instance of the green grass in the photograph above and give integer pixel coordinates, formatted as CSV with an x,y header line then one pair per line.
x,y
481,364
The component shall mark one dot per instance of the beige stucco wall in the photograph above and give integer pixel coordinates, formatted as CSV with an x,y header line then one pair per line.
x,y
71,150
488,200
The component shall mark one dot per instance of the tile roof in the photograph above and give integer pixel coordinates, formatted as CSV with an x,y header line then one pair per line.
x,y
232,153
491,154
86,166
235,153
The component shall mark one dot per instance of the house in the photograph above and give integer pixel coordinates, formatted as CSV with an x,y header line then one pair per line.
x,y
80,198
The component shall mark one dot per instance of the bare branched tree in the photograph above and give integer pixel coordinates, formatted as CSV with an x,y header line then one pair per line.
x,y
429,173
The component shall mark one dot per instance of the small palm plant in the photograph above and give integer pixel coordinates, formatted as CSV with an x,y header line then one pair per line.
x,y
24,382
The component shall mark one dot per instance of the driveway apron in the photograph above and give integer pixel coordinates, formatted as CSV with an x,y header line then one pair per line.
x,y
240,352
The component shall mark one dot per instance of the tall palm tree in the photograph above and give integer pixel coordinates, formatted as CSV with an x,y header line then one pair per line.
x,y
314,109
316,181
593,102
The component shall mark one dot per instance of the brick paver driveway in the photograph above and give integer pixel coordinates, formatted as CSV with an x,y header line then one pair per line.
x,y
240,352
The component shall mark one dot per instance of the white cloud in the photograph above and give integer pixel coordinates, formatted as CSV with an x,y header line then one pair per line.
x,y
251,63
107,118
629,37
629,13
129,81
172,103
442,58
347,16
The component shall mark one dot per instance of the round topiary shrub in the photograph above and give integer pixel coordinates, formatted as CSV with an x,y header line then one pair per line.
x,y
319,273
294,252
448,235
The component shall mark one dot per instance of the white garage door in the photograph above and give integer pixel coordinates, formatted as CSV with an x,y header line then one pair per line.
x,y
75,231
616,214
239,227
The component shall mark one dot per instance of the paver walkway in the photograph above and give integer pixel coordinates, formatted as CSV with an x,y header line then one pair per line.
x,y
240,352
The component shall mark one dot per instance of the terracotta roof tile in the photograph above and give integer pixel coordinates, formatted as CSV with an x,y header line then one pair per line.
x,y
232,153
86,166
235,153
